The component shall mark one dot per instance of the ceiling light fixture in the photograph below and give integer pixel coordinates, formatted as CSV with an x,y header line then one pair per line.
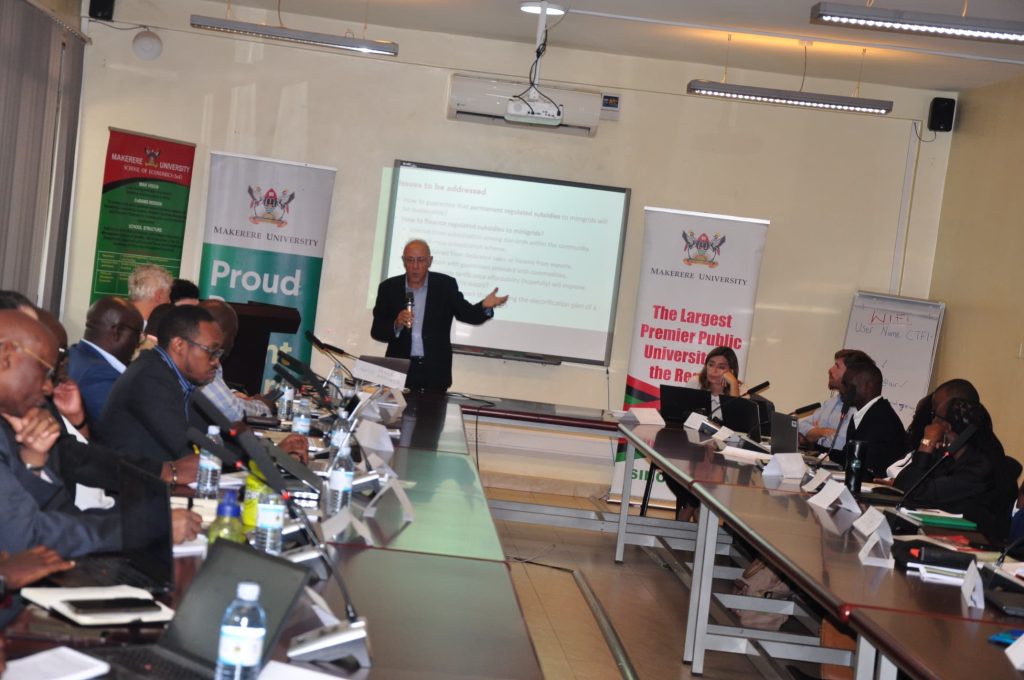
x,y
384,47
941,25
810,100
533,7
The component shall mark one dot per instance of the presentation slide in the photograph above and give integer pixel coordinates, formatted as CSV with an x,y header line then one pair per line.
x,y
554,247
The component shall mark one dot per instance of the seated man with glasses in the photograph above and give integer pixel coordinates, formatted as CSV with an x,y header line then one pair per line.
x,y
414,313
113,327
150,406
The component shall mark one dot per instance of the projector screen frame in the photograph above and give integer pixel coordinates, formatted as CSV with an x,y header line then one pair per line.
x,y
508,354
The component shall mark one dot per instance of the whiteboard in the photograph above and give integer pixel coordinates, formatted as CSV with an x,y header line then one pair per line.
x,y
901,335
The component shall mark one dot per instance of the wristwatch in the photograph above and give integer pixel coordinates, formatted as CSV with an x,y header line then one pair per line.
x,y
3,587
926,442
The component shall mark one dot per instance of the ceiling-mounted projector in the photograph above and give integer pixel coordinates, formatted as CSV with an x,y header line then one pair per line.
x,y
533,112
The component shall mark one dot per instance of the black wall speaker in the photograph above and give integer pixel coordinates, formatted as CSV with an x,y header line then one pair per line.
x,y
940,114
101,9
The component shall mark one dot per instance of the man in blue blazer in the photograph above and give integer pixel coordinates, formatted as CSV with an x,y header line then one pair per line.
x,y
112,330
414,313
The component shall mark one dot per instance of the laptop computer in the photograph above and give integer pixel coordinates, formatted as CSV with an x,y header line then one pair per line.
x,y
785,435
146,559
188,648
741,416
677,403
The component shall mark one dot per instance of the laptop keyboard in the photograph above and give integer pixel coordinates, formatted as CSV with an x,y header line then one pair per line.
x,y
145,661
115,571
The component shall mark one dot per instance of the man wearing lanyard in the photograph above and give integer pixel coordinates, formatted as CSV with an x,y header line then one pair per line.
x,y
414,313
150,405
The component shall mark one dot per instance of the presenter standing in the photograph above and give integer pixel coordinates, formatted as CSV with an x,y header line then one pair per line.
x,y
413,315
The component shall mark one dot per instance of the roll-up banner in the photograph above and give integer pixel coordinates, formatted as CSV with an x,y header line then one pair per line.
x,y
698,284
266,221
146,182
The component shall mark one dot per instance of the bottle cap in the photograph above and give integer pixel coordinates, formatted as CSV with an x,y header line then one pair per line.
x,y
228,506
212,431
248,591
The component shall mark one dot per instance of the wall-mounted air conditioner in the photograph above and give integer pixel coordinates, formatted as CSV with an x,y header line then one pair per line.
x,y
486,100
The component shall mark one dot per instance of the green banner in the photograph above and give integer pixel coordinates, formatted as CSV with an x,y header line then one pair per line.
x,y
266,221
146,184
247,275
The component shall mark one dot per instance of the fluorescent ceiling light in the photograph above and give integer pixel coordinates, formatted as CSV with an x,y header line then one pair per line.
x,y
385,47
810,100
942,25
534,8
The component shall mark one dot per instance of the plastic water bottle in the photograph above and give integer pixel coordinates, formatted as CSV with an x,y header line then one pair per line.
x,y
208,478
228,525
301,418
284,402
241,635
339,479
266,537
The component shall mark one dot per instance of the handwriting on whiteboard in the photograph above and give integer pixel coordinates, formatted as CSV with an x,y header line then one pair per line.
x,y
896,325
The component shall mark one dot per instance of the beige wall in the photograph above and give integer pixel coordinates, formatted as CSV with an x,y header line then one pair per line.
x,y
65,10
978,262
835,186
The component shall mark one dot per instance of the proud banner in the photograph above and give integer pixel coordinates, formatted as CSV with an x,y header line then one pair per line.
x,y
266,221
698,284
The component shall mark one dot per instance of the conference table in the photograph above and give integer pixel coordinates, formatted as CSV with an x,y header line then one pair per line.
x,y
436,592
817,551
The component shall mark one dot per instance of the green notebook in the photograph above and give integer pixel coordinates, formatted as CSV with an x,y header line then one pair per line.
x,y
944,522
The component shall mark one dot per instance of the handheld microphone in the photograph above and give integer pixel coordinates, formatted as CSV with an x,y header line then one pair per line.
x,y
756,388
958,443
410,300
805,409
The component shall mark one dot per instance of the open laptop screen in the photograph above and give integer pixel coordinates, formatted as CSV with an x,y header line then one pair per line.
x,y
195,630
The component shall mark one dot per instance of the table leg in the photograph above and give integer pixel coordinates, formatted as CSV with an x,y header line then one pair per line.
x,y
864,660
651,472
700,590
627,484
886,668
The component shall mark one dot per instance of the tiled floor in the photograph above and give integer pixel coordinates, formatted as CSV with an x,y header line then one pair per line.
x,y
645,602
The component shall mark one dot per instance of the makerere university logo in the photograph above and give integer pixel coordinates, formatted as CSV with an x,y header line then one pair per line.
x,y
269,206
702,249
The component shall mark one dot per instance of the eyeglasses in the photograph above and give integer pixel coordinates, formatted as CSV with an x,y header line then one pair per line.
x,y
51,370
414,260
214,354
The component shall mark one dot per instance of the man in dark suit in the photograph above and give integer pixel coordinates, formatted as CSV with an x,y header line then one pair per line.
x,y
414,313
113,327
150,406
875,422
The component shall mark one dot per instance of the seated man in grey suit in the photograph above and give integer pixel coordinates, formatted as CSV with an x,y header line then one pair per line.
x,y
150,407
34,504
113,327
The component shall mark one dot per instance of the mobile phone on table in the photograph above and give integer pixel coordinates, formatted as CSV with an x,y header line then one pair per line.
x,y
109,606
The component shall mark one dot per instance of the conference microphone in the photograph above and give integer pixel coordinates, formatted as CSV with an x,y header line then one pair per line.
x,y
212,412
958,443
805,409
756,388
195,436
839,428
320,344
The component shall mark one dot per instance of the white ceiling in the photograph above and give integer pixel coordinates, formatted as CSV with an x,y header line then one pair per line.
x,y
766,34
